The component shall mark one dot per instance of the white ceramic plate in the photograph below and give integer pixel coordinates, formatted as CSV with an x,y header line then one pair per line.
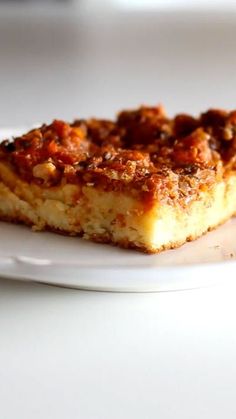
x,y
74,262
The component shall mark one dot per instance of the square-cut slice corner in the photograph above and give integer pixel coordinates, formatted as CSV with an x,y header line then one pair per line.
x,y
142,181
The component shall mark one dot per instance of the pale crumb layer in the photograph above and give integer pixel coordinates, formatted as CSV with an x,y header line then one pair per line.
x,y
113,217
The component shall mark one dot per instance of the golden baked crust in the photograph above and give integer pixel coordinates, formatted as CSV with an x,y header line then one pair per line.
x,y
144,155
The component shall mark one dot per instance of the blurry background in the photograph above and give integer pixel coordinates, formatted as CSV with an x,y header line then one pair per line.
x,y
71,58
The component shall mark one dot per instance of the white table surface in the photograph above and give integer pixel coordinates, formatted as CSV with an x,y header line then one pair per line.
x,y
69,65
71,354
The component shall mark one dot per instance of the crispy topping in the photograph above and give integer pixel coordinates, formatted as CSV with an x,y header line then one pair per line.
x,y
142,150
45,171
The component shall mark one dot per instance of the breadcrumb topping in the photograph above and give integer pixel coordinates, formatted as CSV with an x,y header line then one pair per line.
x,y
142,151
